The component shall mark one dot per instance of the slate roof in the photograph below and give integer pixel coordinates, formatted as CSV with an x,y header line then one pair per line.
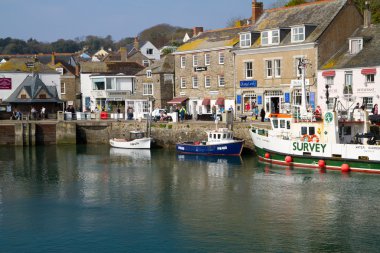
x,y
316,14
165,65
19,65
227,37
33,85
369,56
126,68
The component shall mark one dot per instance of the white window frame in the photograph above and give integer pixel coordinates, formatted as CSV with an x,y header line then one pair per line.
x,y
297,71
277,68
195,82
183,82
63,88
370,78
329,80
207,81
207,59
268,68
357,48
269,38
221,58
248,72
147,89
149,73
183,62
195,60
245,40
146,63
221,81
298,34
368,101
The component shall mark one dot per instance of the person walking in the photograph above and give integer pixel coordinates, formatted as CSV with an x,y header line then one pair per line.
x,y
262,114
182,113
256,112
43,112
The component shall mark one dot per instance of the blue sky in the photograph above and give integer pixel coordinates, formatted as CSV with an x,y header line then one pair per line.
x,y
50,20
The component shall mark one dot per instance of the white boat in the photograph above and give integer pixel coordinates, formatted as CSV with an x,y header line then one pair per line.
x,y
331,142
137,140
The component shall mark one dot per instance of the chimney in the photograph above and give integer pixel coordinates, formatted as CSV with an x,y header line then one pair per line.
x,y
52,59
123,54
136,44
367,15
197,30
257,11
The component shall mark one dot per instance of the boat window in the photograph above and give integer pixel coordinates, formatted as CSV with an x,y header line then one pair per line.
x,y
311,130
210,136
275,123
363,158
347,130
219,135
287,124
224,136
282,123
303,130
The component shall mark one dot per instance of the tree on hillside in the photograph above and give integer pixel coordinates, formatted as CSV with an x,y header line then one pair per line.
x,y
295,2
374,7
163,34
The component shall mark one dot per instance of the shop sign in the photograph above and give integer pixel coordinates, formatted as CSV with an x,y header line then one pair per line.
x,y
248,84
5,83
200,69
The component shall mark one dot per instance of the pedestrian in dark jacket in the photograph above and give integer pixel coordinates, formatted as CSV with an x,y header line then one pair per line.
x,y
262,114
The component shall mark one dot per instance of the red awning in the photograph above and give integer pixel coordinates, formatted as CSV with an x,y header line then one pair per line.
x,y
179,100
220,102
328,73
206,101
369,71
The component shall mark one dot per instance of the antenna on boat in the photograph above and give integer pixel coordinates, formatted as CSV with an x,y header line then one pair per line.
x,y
302,66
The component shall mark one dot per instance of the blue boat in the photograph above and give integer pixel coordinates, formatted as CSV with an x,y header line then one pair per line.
x,y
219,142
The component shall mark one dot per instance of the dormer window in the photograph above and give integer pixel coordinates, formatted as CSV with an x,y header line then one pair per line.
x,y
298,34
245,40
356,45
270,38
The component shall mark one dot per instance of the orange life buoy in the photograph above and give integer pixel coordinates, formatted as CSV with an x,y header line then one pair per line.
x,y
314,138
305,138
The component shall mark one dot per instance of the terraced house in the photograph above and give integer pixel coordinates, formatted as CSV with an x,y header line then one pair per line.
x,y
204,71
268,55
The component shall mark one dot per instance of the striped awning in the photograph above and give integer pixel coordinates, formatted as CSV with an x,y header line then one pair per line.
x,y
369,71
206,101
328,73
220,102
178,100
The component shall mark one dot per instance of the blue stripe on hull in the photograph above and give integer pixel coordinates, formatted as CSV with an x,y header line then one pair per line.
x,y
217,149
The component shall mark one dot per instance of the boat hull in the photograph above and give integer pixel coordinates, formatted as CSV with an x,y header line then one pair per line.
x,y
229,149
143,143
275,152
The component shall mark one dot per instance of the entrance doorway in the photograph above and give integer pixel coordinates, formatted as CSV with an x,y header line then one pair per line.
x,y
273,101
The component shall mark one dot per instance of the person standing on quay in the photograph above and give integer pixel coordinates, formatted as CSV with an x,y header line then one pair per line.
x,y
262,114
182,113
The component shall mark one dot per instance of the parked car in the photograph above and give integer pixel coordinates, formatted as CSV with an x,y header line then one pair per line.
x,y
160,114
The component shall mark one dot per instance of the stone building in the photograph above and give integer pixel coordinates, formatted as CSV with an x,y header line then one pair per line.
x,y
268,54
157,82
204,70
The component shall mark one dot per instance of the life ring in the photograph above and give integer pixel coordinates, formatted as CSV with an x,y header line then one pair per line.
x,y
305,138
314,138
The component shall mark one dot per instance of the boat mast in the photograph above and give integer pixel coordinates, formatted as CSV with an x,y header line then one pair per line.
x,y
302,66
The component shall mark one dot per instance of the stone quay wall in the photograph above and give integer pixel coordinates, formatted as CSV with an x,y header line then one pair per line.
x,y
30,133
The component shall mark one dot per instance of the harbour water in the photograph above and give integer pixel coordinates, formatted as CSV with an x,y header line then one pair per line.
x,y
99,199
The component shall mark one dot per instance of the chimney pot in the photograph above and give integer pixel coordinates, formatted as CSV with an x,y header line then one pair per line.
x,y
257,10
367,15
197,30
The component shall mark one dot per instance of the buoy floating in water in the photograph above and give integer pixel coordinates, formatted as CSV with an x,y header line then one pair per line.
x,y
345,167
267,156
321,164
288,159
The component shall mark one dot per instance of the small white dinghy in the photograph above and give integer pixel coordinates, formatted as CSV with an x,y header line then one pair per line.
x,y
137,140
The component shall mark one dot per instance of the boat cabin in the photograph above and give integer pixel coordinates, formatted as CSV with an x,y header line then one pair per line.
x,y
133,135
220,135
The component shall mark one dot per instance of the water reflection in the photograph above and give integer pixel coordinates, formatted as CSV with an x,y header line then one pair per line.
x,y
157,201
